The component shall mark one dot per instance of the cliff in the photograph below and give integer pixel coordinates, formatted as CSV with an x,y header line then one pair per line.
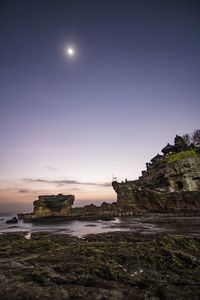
x,y
170,183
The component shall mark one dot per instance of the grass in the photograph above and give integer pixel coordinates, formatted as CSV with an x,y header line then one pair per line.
x,y
181,155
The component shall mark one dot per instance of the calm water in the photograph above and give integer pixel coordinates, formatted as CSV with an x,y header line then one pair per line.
x,y
77,228
157,224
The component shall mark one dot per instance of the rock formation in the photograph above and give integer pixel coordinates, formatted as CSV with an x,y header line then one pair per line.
x,y
59,208
59,205
50,206
170,183
14,220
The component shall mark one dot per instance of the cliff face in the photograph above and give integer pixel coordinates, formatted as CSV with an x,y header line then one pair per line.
x,y
173,176
59,205
169,183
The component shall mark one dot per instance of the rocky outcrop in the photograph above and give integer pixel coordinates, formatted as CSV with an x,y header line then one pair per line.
x,y
59,208
52,206
106,211
170,183
14,220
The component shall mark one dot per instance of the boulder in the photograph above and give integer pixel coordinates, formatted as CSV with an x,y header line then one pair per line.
x,y
14,220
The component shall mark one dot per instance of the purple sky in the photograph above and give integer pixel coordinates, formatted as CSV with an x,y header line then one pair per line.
x,y
68,124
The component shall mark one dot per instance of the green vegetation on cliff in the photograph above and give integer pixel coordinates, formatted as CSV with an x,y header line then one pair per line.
x,y
181,155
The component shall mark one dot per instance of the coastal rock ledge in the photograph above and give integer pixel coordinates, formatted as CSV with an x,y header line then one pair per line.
x,y
171,182
59,208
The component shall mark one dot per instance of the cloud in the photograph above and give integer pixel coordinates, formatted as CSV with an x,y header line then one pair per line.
x,y
67,182
17,189
30,191
23,191
52,168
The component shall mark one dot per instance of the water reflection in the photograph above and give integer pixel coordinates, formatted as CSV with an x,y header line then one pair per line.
x,y
148,225
159,223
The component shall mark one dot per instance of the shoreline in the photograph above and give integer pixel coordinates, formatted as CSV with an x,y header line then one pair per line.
x,y
145,224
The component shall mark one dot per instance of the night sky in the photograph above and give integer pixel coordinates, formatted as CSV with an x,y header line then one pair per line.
x,y
68,123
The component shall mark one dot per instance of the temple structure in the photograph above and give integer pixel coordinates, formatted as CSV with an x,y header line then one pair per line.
x,y
179,145
170,182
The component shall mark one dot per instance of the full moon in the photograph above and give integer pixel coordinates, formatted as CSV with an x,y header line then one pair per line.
x,y
70,51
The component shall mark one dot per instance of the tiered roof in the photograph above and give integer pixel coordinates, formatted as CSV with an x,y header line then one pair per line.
x,y
169,148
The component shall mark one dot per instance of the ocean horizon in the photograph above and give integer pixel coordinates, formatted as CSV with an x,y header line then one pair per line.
x,y
15,208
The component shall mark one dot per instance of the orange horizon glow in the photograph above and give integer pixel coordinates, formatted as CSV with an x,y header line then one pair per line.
x,y
25,203
26,198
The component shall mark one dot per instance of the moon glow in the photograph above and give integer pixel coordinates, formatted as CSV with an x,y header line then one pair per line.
x,y
70,51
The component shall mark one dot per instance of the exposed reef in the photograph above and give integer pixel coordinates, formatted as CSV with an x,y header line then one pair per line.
x,y
108,266
171,182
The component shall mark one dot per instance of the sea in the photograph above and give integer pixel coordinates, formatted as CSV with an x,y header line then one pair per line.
x,y
76,228
145,225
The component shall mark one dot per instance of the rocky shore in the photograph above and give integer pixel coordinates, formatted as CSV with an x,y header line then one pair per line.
x,y
118,265
112,266
170,184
